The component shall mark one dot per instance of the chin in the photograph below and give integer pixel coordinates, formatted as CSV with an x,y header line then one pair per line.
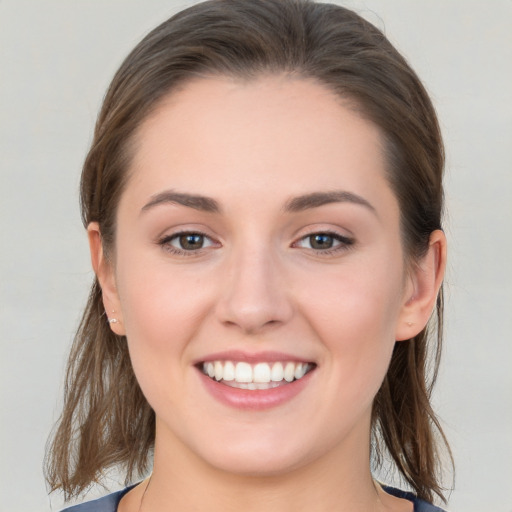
x,y
257,455
257,464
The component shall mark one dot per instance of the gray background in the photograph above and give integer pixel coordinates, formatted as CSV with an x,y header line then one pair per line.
x,y
56,59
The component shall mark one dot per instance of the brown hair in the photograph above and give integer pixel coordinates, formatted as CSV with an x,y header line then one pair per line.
x,y
106,420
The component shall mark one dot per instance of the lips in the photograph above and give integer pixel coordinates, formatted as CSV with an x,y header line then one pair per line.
x,y
254,382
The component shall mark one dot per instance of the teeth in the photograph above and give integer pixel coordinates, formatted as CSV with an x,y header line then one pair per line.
x,y
219,370
259,376
252,385
300,371
261,373
229,371
277,372
289,372
243,372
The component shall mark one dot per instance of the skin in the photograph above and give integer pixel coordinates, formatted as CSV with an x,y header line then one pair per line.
x,y
258,284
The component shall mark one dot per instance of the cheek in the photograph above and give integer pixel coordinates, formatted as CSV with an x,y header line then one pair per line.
x,y
354,312
356,299
161,311
160,304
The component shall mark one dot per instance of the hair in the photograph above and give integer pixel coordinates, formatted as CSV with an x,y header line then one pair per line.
x,y
106,421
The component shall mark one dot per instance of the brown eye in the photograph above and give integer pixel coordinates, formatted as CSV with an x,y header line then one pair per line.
x,y
186,242
190,241
321,241
327,242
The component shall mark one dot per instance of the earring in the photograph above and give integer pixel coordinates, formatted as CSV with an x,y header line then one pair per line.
x,y
408,323
112,320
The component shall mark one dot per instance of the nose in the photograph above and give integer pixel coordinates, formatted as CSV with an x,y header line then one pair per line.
x,y
254,296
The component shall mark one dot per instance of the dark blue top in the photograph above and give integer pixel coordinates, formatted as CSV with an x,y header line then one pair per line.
x,y
109,503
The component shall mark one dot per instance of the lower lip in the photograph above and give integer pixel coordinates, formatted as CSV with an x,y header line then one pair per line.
x,y
257,399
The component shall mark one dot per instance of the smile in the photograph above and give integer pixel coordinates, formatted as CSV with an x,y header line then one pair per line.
x,y
263,375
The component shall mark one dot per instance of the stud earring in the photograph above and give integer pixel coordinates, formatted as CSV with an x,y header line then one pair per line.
x,y
112,320
408,323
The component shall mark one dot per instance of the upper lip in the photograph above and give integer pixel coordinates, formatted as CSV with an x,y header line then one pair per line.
x,y
256,357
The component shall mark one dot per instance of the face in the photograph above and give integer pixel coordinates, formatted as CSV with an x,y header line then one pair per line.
x,y
258,273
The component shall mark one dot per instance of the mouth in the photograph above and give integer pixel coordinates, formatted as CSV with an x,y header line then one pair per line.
x,y
258,376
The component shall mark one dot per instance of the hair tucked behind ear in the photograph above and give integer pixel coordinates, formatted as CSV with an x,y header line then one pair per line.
x,y
106,421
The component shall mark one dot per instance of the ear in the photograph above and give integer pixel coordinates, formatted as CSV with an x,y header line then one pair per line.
x,y
104,271
422,287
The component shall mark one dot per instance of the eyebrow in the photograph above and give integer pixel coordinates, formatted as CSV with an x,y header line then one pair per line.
x,y
317,199
296,204
197,202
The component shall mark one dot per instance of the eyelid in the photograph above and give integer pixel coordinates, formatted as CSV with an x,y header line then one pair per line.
x,y
177,236
344,242
165,242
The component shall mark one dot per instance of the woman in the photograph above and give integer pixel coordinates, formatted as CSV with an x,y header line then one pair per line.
x,y
263,201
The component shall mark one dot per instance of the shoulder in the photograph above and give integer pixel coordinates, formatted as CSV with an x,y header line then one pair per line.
x,y
419,505
108,503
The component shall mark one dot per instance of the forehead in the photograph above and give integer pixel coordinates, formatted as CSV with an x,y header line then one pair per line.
x,y
270,136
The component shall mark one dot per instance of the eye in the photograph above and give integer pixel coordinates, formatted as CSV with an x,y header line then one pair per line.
x,y
186,242
320,241
324,242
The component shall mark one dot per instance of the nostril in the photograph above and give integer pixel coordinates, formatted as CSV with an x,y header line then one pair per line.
x,y
254,296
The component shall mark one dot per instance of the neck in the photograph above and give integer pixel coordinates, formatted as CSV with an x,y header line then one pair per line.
x,y
339,480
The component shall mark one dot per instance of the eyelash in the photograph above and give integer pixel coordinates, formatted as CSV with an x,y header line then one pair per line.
x,y
165,243
344,243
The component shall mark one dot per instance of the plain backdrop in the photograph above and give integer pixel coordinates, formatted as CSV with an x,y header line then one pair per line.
x,y
56,59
